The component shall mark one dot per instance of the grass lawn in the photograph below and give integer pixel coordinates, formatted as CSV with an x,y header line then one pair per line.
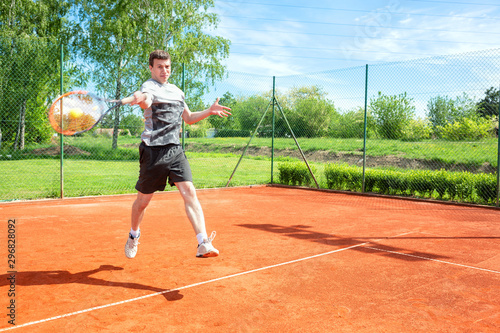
x,y
102,170
450,152
39,178
447,152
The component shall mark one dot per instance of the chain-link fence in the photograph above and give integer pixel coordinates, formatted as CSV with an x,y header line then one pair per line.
x,y
425,128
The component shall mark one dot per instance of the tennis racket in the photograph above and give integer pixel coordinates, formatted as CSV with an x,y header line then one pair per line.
x,y
79,111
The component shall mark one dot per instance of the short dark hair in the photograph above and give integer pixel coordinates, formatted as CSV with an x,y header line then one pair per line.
x,y
158,54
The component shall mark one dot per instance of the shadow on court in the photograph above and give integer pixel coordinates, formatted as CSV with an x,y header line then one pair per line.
x,y
36,278
303,232
275,272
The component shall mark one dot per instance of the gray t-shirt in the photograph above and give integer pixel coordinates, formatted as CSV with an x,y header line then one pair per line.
x,y
163,119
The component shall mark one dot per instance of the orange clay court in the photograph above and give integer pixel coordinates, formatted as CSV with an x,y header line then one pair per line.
x,y
291,260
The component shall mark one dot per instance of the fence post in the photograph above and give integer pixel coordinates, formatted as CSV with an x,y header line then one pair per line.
x,y
498,152
365,129
184,90
272,138
61,137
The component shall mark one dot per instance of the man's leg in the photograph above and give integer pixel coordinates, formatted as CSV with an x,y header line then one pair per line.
x,y
193,207
138,208
195,215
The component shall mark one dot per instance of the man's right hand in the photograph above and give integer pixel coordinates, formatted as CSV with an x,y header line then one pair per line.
x,y
141,99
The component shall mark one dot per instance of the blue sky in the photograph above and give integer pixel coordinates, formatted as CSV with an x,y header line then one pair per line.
x,y
289,37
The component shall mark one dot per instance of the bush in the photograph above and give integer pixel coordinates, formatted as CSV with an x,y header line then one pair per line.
x,y
460,186
486,188
416,130
421,182
392,114
311,117
196,132
133,123
443,110
343,177
473,128
351,124
294,173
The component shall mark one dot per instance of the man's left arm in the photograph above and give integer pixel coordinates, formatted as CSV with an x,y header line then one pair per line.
x,y
215,109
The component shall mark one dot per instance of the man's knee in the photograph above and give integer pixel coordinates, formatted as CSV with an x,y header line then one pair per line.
x,y
187,190
142,201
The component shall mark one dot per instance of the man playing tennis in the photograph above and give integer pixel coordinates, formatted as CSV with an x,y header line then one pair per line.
x,y
161,155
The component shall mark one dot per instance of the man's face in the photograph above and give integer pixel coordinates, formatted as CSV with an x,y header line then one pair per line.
x,y
160,71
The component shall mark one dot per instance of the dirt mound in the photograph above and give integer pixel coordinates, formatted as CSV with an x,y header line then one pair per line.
x,y
56,150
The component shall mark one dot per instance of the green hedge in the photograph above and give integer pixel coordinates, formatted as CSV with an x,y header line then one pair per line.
x,y
455,186
295,173
443,185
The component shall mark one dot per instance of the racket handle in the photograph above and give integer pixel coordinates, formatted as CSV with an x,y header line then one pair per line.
x,y
128,100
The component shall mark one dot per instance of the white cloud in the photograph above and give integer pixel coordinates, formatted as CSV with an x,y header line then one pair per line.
x,y
260,65
282,41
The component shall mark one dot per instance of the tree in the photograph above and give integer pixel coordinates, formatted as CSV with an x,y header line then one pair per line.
x,y
312,117
351,124
133,123
488,106
442,110
248,112
392,114
119,35
227,122
297,94
33,18
30,34
308,111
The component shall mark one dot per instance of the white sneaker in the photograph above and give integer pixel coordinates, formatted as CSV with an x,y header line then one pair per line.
x,y
131,246
206,249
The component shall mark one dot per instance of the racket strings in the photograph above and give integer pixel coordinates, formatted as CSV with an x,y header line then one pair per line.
x,y
76,113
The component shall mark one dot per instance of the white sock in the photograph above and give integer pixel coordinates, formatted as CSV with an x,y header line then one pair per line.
x,y
135,233
201,236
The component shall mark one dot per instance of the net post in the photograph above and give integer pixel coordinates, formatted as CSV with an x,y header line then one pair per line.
x,y
364,131
61,137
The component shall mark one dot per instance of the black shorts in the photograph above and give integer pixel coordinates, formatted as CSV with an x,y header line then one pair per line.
x,y
157,164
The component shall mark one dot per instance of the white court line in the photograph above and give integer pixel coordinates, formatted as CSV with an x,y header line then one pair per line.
x,y
177,289
240,274
436,260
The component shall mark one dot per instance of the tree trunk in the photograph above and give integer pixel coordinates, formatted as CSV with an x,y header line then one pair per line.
x,y
19,142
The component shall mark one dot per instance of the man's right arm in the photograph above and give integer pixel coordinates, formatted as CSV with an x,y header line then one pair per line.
x,y
144,100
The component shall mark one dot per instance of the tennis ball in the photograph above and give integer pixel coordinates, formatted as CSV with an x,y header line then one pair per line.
x,y
75,113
